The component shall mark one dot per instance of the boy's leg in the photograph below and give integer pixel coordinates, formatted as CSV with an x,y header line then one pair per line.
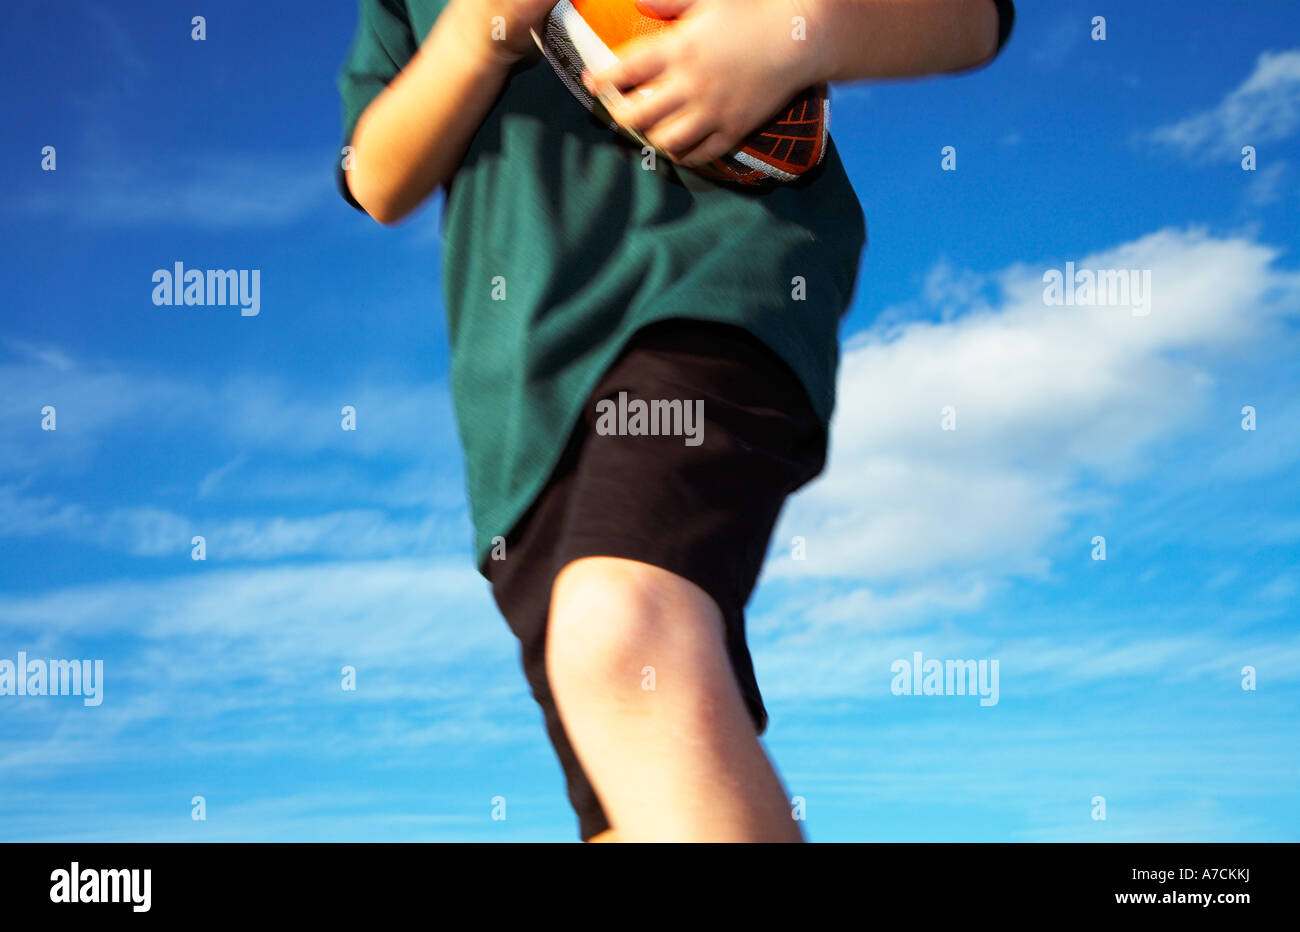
x,y
681,761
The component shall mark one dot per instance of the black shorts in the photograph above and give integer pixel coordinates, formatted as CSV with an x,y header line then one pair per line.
x,y
704,512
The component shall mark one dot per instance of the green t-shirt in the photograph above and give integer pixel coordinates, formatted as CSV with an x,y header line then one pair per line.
x,y
556,212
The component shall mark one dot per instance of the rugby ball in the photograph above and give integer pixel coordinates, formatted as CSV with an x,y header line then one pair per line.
x,y
588,34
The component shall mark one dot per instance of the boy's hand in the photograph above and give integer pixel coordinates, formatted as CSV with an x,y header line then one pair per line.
x,y
723,68
477,26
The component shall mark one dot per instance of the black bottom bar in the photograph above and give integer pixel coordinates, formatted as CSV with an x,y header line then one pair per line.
x,y
336,881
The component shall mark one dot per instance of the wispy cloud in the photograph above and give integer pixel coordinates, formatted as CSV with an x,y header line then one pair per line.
x,y
1264,108
936,777
263,641
401,458
1266,186
129,64
1053,50
148,531
236,191
96,398
816,658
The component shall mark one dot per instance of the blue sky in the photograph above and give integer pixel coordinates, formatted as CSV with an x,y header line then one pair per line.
x,y
1118,678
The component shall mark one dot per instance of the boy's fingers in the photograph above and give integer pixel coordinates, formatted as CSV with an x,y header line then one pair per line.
x,y
681,134
664,9
643,111
641,61
714,147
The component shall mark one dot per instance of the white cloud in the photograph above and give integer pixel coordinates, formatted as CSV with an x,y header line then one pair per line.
x,y
91,403
190,654
290,447
1262,109
1054,405
298,609
826,659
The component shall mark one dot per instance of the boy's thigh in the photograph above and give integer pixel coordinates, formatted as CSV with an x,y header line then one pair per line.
x,y
614,623
700,512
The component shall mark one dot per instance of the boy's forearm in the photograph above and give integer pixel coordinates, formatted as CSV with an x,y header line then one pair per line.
x,y
858,39
412,136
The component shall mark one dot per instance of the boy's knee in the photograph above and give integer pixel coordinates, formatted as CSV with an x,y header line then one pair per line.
x,y
612,618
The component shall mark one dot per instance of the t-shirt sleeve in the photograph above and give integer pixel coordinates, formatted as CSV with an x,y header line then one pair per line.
x,y
1006,19
384,43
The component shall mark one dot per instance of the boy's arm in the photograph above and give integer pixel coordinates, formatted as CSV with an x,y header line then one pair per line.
x,y
414,133
708,83
859,39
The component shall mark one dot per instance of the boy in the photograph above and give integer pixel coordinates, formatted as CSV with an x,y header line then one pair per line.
x,y
577,280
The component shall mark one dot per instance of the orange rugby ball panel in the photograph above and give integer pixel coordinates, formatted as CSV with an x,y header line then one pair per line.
x,y
617,22
588,34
